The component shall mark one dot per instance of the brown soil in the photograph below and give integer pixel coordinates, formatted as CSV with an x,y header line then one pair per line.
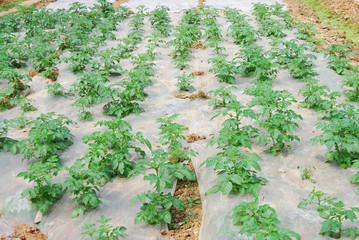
x,y
200,95
33,73
194,137
198,73
198,45
200,2
25,232
55,74
117,3
349,8
186,224
303,13
19,87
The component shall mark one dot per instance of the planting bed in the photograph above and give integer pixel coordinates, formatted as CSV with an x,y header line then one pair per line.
x,y
207,112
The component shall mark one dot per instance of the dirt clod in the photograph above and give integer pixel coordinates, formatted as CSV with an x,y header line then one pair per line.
x,y
200,95
198,45
185,224
198,73
33,73
117,3
26,232
194,137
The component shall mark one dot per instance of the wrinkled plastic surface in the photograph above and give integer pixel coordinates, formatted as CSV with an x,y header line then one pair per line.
x,y
284,189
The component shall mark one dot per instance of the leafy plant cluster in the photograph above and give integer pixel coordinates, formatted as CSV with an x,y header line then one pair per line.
x,y
161,170
47,138
254,61
240,29
109,155
340,134
212,31
318,97
160,20
260,221
338,57
186,33
292,56
268,27
105,231
335,214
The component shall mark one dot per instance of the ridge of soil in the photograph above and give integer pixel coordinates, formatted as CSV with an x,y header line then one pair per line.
x,y
303,13
25,232
186,224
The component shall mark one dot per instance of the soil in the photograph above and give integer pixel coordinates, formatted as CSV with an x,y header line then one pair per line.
x,y
25,232
117,3
186,224
349,8
198,73
303,13
200,95
194,137
198,45
33,73
55,74
200,2
27,3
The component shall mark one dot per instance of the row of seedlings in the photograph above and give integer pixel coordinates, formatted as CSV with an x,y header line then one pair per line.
x,y
340,133
237,169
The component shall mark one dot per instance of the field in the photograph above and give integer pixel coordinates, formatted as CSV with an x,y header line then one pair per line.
x,y
201,123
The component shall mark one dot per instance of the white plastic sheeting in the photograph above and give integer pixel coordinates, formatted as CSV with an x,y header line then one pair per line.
x,y
284,189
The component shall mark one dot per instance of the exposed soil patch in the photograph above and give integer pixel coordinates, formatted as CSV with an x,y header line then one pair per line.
x,y
198,45
55,74
33,73
186,224
25,232
200,95
27,3
303,13
349,8
198,73
117,3
194,137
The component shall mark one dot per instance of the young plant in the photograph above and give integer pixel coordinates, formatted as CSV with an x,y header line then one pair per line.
x,y
338,56
160,204
237,172
192,201
160,20
351,80
89,90
109,151
340,135
82,183
184,82
307,174
56,89
232,132
254,61
318,97
223,69
156,207
334,213
260,221
45,192
277,119
355,178
47,137
225,94
171,133
105,231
